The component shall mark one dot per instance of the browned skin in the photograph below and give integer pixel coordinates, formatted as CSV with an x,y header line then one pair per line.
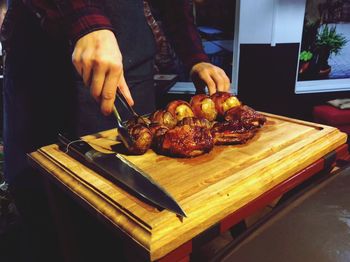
x,y
203,107
219,98
164,118
157,131
142,137
223,102
195,121
180,109
189,136
248,116
229,133
185,141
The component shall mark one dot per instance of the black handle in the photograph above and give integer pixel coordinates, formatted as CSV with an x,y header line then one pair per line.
x,y
68,143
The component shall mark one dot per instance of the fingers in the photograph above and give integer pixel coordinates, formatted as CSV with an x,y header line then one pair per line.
x,y
210,75
108,92
98,60
221,80
211,84
83,64
124,89
76,59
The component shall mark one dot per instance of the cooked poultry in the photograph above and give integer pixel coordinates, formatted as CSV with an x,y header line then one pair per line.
x,y
189,130
185,141
164,118
246,115
195,121
142,138
180,109
203,107
230,133
224,101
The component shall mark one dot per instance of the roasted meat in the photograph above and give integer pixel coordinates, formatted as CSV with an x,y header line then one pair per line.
x,y
230,133
138,120
185,141
250,117
164,118
203,107
195,121
189,130
180,109
157,129
224,101
142,138
246,115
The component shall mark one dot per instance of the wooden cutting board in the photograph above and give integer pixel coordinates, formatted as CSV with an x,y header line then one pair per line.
x,y
208,187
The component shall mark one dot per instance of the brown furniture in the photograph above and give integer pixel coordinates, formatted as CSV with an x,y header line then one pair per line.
x,y
216,190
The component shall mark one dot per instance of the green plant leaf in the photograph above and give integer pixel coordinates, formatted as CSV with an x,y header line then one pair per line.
x,y
329,38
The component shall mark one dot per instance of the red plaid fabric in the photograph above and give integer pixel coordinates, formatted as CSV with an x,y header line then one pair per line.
x,y
74,18
79,17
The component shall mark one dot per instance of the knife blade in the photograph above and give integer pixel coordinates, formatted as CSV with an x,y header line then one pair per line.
x,y
121,171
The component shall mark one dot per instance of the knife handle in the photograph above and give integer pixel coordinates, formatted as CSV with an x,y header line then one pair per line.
x,y
67,143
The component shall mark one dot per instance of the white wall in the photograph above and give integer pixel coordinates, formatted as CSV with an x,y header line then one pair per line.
x,y
266,22
271,21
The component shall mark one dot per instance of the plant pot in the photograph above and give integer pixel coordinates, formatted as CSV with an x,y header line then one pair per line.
x,y
324,72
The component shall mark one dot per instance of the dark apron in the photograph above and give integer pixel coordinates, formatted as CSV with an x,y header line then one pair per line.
x,y
137,45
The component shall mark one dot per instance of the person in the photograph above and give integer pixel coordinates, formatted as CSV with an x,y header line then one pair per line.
x,y
64,62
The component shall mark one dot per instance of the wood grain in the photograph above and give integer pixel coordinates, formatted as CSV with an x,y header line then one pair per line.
x,y
208,188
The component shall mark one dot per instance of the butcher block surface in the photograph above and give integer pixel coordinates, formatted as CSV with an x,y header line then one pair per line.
x,y
208,187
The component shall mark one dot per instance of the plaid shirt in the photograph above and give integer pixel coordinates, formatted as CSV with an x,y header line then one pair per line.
x,y
78,17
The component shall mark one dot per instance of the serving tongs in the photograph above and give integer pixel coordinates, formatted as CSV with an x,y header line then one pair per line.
x,y
137,117
123,132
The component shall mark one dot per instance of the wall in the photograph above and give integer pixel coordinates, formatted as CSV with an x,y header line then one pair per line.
x,y
269,37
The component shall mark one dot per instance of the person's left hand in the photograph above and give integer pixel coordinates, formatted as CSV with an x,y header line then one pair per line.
x,y
206,74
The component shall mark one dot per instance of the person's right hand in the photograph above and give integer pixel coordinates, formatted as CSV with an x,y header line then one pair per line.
x,y
98,60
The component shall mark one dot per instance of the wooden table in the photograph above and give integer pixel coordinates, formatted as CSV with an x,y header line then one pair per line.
x,y
216,190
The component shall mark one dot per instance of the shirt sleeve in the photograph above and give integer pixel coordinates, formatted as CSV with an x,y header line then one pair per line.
x,y
72,18
178,21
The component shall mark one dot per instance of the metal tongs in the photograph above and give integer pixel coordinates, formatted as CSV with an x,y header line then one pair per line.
x,y
136,116
123,133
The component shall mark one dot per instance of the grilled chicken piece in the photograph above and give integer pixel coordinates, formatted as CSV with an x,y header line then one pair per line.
x,y
164,118
224,101
203,107
138,120
230,133
185,141
246,115
158,129
195,121
142,138
180,109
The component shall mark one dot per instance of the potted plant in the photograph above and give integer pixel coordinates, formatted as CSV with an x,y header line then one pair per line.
x,y
328,42
305,58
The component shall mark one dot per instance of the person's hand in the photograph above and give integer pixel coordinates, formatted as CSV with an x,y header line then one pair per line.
x,y
98,60
206,74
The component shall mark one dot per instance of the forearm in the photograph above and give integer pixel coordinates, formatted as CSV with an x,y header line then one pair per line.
x,y
70,18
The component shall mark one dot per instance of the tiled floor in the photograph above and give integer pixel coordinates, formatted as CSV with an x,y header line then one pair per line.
x,y
341,63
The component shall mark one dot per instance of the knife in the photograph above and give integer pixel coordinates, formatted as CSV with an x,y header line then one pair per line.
x,y
121,171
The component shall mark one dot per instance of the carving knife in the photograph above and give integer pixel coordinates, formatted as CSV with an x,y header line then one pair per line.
x,y
119,170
